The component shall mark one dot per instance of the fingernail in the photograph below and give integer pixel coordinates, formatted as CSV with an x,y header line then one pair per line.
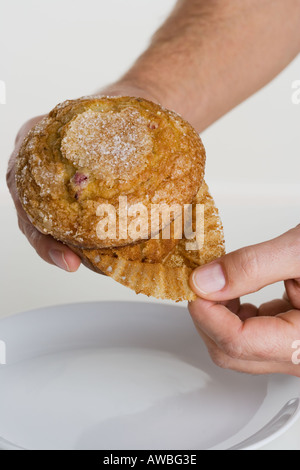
x,y
209,279
59,259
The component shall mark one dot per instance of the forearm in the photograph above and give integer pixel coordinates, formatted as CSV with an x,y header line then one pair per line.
x,y
210,55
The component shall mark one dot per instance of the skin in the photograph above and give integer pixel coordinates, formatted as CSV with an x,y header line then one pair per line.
x,y
243,337
206,59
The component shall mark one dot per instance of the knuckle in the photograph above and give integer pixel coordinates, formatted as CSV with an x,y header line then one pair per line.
x,y
219,358
36,239
24,129
9,175
232,348
18,136
246,263
21,225
37,242
27,230
33,236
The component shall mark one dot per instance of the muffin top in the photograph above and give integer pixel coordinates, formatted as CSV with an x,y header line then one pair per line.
x,y
90,152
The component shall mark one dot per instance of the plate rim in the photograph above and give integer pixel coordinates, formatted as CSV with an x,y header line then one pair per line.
x,y
6,445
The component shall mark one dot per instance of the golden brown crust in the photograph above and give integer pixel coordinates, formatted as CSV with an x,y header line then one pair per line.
x,y
164,274
91,151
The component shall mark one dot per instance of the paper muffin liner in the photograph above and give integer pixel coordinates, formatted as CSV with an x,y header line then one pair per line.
x,y
169,278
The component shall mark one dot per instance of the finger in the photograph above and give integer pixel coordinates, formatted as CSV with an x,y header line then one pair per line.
x,y
256,339
49,249
232,305
293,292
10,175
247,311
243,311
222,360
249,269
11,183
274,307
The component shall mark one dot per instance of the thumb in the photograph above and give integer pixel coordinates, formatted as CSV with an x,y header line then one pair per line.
x,y
249,269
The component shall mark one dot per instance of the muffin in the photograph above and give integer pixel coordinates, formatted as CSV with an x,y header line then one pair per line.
x,y
97,172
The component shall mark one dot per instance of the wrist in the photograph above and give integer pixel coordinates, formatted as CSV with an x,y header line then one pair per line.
x,y
133,85
142,82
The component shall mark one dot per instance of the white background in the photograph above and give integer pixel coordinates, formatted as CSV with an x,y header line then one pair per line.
x,y
54,50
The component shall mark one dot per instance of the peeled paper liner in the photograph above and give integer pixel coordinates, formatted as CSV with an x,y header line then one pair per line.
x,y
169,278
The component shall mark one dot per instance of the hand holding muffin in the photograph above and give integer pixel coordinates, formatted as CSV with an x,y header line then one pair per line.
x,y
49,249
91,153
182,69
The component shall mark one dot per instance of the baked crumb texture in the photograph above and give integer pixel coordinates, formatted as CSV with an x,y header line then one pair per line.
x,y
91,151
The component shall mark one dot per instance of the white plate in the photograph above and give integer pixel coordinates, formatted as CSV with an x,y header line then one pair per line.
x,y
115,375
